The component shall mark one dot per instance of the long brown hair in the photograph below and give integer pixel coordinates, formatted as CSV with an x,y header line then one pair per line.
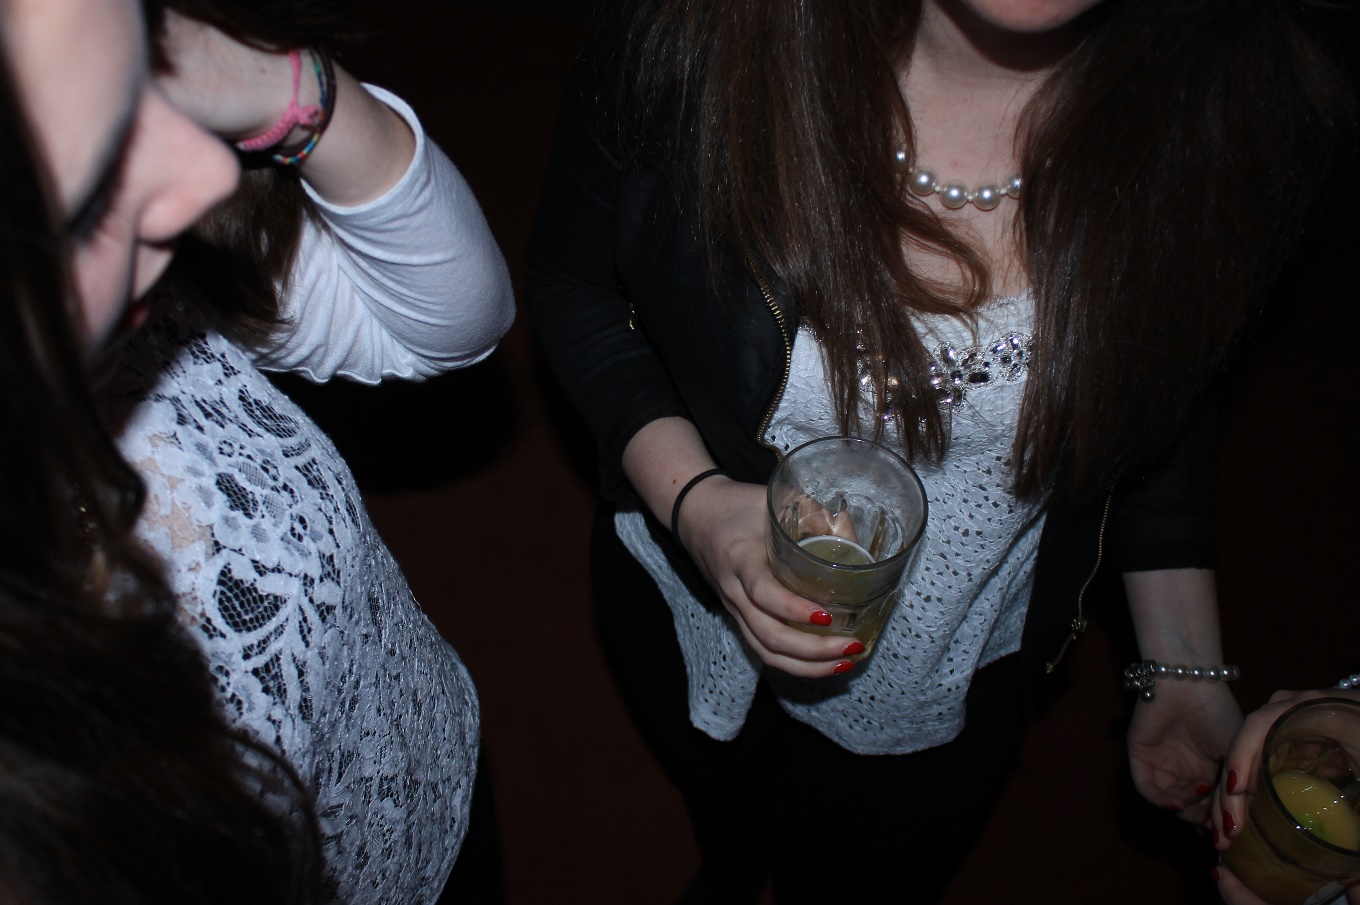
x,y
1168,164
119,779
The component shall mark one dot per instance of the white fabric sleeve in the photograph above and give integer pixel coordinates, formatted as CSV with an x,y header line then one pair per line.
x,y
408,285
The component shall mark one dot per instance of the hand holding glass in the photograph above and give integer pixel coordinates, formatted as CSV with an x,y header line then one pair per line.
x,y
1301,844
844,515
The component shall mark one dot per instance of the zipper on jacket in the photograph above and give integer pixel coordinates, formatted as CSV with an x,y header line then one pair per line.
x,y
780,322
1079,623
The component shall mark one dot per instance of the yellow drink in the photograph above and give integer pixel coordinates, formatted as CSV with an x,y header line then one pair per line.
x,y
1319,808
1274,859
836,549
861,621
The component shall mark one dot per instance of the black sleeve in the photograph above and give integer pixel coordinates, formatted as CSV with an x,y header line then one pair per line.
x,y
578,307
1167,518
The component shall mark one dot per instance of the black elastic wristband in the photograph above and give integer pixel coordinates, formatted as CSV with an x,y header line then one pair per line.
x,y
684,491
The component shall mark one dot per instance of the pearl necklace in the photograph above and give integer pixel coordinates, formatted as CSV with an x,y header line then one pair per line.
x,y
954,195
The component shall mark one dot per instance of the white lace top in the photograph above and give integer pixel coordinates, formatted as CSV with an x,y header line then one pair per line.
x,y
313,637
963,598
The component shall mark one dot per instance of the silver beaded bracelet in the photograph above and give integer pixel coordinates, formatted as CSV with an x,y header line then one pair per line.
x,y
1351,681
1143,675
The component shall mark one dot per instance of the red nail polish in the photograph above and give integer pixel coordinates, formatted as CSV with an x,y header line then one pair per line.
x,y
1203,789
854,647
1213,840
821,617
1229,826
844,666
1215,876
1231,782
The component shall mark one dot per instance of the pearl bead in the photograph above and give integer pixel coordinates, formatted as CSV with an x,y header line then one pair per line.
x,y
954,195
922,182
987,197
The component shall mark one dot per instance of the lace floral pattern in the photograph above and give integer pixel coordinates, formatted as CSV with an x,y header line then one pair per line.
x,y
313,637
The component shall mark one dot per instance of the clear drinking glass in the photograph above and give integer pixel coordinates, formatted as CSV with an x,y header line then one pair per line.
x,y
1301,843
844,516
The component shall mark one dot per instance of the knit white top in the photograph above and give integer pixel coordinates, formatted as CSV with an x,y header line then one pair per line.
x,y
314,639
962,600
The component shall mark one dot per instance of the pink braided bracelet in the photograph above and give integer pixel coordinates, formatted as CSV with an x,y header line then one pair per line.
x,y
293,117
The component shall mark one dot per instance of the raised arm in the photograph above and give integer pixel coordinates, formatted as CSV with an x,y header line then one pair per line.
x,y
405,279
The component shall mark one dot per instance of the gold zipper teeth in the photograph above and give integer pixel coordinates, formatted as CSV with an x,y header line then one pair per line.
x,y
1079,624
788,354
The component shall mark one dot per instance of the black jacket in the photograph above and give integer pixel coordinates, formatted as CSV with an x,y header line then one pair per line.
x,y
637,328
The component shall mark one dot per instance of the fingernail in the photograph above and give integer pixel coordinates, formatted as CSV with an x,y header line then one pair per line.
x,y
1203,789
854,647
1213,839
821,617
845,666
1215,876
1231,783
1229,826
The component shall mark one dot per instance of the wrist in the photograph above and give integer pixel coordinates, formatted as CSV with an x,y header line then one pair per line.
x,y
1147,675
680,497
293,130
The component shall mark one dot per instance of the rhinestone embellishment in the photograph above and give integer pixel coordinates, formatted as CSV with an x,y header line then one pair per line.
x,y
954,371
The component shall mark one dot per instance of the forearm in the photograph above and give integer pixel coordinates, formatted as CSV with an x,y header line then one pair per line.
x,y
1175,615
661,458
365,150
240,92
409,285
1178,738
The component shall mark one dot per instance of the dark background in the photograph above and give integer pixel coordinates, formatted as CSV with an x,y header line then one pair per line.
x,y
480,482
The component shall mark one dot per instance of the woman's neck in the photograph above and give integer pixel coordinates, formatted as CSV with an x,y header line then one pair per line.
x,y
967,81
966,84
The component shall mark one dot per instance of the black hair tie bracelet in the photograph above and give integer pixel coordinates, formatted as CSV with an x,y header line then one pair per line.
x,y
684,491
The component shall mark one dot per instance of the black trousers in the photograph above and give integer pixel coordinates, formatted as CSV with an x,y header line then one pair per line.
x,y
781,801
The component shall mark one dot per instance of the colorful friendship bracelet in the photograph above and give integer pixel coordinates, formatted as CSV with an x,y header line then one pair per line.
x,y
315,117
325,74
293,117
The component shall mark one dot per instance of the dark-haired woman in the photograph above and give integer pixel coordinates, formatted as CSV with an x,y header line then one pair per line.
x,y
313,639
1014,240
120,779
